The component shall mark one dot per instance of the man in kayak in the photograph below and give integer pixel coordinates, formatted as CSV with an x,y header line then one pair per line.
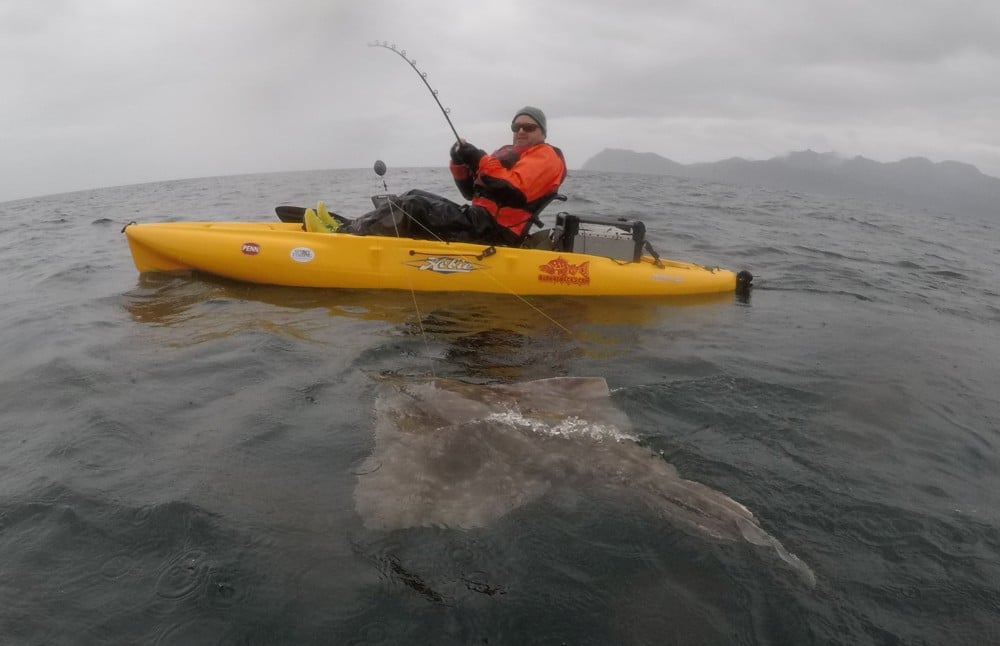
x,y
506,188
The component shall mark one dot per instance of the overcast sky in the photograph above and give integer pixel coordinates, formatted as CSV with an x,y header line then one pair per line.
x,y
110,92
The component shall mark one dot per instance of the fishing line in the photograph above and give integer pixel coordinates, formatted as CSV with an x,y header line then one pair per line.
x,y
423,77
380,171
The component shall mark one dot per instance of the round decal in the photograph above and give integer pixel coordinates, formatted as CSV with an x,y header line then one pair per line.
x,y
303,254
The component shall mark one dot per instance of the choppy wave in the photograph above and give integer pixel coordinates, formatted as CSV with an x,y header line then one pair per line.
x,y
177,453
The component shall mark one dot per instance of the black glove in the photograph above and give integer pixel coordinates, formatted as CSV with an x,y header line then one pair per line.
x,y
466,154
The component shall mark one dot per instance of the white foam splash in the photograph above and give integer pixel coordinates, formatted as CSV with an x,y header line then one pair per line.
x,y
568,427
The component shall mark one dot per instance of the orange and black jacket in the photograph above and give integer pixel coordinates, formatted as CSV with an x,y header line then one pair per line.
x,y
513,183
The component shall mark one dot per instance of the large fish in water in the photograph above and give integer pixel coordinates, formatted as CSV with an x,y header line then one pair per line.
x,y
453,454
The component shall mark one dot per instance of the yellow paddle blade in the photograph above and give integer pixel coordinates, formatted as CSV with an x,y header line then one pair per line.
x,y
325,216
314,224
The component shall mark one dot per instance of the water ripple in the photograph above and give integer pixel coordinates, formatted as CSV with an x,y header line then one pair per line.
x,y
175,451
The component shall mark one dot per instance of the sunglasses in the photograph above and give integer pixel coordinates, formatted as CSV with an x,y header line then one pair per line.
x,y
527,127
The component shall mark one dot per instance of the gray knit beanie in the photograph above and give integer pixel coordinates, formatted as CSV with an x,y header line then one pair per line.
x,y
535,114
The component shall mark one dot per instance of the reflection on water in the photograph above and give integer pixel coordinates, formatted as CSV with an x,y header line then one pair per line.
x,y
166,299
481,336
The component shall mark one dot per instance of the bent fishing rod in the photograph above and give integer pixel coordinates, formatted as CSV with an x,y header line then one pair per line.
x,y
423,77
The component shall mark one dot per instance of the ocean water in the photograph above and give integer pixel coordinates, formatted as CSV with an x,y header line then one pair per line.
x,y
178,453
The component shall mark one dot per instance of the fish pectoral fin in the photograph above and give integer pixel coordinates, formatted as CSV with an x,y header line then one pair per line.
x,y
755,535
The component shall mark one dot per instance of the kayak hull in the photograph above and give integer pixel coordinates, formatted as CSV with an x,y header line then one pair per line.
x,y
283,254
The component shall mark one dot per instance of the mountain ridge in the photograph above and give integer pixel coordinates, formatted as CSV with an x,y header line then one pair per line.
x,y
914,181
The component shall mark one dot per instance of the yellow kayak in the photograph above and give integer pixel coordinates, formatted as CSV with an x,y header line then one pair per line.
x,y
282,253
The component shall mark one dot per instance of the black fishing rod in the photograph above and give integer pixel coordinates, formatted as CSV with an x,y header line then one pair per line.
x,y
423,77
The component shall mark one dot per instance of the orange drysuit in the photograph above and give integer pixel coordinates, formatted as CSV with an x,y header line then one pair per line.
x,y
513,183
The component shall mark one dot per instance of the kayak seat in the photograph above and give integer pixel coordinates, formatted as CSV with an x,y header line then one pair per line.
x,y
541,240
536,221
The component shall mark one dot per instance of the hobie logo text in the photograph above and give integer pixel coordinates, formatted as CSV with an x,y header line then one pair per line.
x,y
446,265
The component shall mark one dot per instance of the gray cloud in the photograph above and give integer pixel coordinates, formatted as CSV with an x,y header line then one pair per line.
x,y
105,92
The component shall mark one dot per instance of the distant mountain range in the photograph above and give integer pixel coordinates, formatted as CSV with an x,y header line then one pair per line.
x,y
950,186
